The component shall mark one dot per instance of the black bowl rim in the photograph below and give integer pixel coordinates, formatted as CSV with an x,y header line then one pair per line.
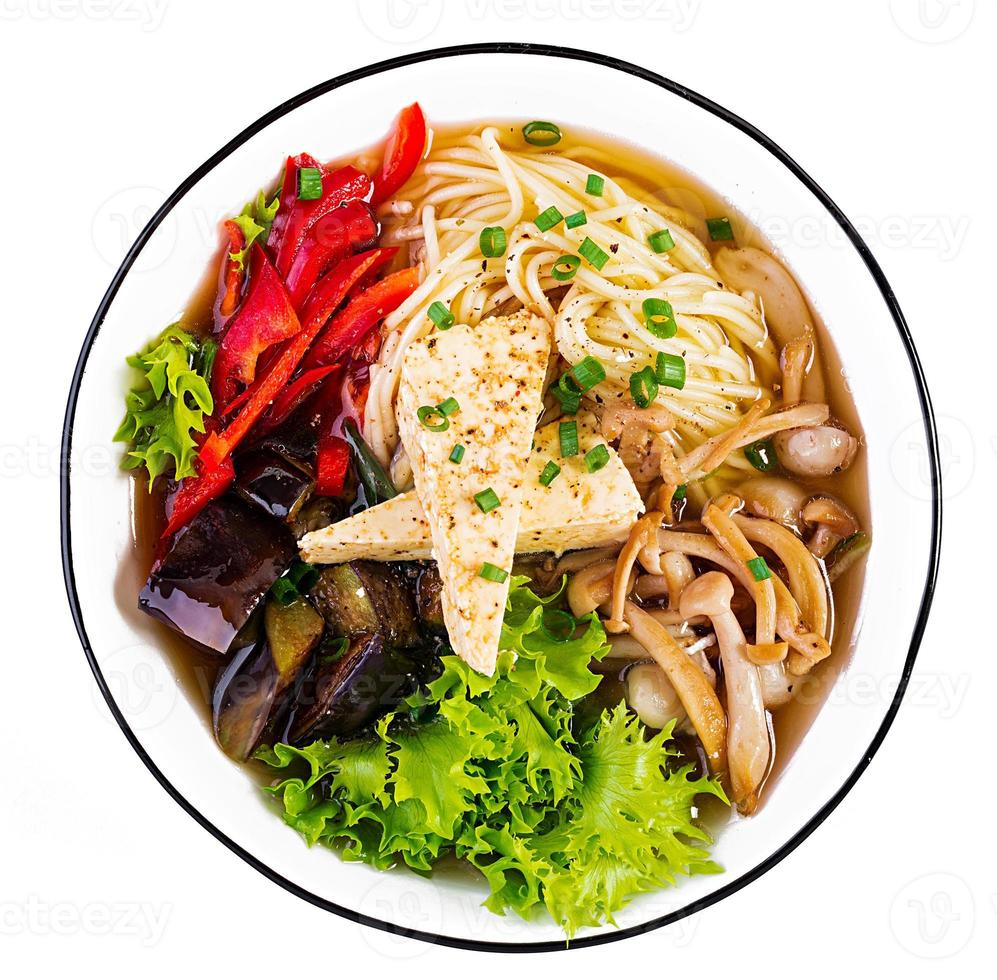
x,y
875,271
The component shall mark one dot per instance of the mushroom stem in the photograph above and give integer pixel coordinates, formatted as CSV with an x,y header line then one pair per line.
x,y
690,683
748,748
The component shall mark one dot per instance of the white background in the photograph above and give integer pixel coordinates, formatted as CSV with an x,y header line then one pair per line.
x,y
108,104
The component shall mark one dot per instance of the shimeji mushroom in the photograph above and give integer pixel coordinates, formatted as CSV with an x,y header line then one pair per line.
x,y
748,748
832,521
817,450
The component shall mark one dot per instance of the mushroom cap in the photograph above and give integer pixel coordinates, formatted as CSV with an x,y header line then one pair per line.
x,y
708,595
817,450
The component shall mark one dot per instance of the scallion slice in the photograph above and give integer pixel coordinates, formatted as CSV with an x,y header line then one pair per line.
x,y
587,373
428,413
284,591
449,406
761,455
669,370
596,458
493,573
594,185
661,241
576,220
759,569
549,218
492,242
440,315
549,473
568,396
643,387
720,229
557,625
567,434
659,318
487,500
595,255
565,267
309,184
457,453
680,492
541,133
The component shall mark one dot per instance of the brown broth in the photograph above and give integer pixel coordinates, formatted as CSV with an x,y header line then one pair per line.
x,y
676,187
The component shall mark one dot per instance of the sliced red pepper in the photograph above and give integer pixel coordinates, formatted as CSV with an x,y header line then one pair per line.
x,y
402,153
347,229
219,445
293,397
338,187
232,271
266,317
195,492
361,315
332,288
333,465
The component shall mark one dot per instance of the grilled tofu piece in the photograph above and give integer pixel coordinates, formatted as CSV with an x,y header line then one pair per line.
x,y
495,372
578,510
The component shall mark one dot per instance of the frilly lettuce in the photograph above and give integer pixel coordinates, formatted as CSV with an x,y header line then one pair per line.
x,y
491,769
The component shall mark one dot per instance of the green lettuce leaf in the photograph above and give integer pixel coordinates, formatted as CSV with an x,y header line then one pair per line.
x,y
254,222
167,404
491,770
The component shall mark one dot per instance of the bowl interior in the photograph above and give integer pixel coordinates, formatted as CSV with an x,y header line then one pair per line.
x,y
127,651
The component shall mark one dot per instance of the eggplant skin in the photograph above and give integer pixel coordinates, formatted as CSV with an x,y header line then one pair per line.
x,y
362,597
348,692
270,482
243,698
216,572
429,598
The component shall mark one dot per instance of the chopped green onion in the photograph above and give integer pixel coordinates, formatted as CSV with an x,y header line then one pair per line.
x,y
720,229
587,373
565,267
540,133
567,433
596,458
487,500
492,242
759,569
284,591
440,315
661,241
427,413
643,387
457,453
576,220
761,455
302,575
589,250
567,395
558,625
309,184
659,318
669,370
376,483
549,218
594,185
680,492
449,406
549,473
493,573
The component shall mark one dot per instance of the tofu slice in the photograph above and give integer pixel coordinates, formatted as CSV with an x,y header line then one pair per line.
x,y
495,371
578,510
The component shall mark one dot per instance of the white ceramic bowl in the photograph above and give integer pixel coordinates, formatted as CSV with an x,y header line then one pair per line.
x,y
504,81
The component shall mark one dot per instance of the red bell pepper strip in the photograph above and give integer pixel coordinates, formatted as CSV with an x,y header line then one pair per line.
x,y
332,288
266,317
349,228
218,445
232,272
361,315
333,465
197,491
293,397
402,153
338,187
